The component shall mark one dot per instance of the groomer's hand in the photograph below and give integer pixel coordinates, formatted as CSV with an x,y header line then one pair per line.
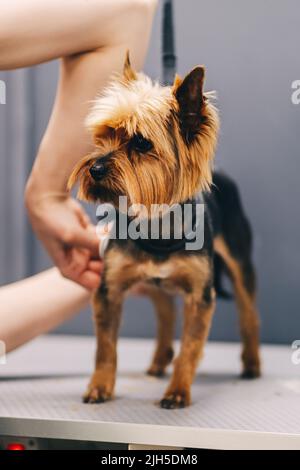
x,y
67,234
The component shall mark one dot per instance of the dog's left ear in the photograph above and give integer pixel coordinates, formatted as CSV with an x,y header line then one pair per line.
x,y
189,94
128,71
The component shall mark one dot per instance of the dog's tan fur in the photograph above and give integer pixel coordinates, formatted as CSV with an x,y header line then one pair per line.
x,y
177,276
183,124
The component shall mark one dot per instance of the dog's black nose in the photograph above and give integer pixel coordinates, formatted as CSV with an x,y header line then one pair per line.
x,y
98,170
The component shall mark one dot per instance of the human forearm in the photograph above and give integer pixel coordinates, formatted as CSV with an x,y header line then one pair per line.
x,y
36,305
65,142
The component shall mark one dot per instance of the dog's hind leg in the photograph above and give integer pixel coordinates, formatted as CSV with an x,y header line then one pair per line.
x,y
107,313
242,275
165,310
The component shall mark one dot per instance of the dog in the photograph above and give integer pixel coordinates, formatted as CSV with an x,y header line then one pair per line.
x,y
155,145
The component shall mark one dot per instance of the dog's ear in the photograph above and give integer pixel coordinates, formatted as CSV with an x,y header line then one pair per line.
x,y
128,72
189,94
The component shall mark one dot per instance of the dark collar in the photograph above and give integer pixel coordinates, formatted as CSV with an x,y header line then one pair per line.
x,y
163,247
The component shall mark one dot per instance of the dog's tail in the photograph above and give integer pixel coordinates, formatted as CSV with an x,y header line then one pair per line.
x,y
220,270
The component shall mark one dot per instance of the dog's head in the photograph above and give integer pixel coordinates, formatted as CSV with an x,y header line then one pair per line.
x,y
153,144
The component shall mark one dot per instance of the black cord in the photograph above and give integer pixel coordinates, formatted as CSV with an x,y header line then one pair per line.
x,y
168,44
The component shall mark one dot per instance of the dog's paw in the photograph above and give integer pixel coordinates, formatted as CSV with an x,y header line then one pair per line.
x,y
96,395
156,371
161,362
252,372
175,400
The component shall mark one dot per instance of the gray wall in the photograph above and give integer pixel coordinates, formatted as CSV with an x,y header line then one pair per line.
x,y
250,49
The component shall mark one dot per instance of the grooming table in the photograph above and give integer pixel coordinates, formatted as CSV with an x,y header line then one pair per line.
x,y
42,383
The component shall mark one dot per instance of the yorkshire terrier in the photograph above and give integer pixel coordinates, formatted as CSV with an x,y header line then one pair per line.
x,y
155,145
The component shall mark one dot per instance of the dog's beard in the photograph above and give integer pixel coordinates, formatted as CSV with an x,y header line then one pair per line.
x,y
146,184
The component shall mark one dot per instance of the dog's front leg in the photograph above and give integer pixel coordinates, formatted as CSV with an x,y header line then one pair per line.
x,y
107,312
197,320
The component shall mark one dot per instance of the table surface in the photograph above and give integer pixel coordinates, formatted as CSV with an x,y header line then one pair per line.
x,y
42,383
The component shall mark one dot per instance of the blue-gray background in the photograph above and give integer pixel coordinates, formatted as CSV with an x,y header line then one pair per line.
x,y
251,51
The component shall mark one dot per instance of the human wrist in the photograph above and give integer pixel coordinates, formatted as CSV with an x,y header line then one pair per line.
x,y
50,171
36,192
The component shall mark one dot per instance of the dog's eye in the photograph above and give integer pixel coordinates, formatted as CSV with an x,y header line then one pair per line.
x,y
140,144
